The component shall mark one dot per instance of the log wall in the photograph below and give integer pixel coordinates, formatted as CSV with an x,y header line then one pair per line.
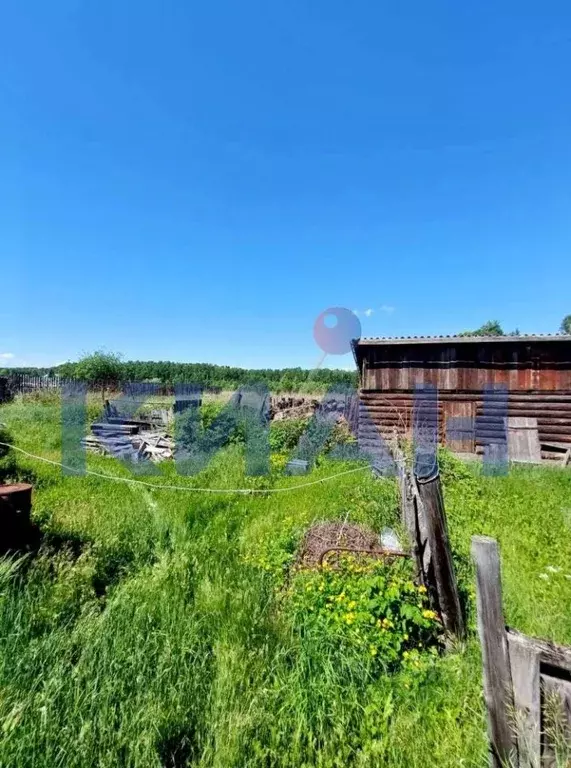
x,y
382,412
519,365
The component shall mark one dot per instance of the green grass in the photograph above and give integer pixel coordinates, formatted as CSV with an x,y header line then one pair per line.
x,y
144,635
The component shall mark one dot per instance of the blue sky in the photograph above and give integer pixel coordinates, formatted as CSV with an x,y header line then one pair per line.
x,y
198,181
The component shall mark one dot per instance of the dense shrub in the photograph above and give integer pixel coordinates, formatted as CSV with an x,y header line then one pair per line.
x,y
285,434
369,605
7,457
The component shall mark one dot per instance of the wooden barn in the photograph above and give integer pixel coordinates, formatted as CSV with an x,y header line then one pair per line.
x,y
478,378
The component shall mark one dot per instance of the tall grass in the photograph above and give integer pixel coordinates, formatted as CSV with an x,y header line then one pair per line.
x,y
143,636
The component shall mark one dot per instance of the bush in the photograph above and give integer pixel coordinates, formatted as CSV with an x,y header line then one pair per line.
x,y
370,606
8,467
285,434
209,430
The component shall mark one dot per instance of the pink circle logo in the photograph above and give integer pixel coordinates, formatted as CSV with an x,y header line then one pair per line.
x,y
335,329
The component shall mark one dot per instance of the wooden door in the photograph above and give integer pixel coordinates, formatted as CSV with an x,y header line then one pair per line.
x,y
523,440
459,425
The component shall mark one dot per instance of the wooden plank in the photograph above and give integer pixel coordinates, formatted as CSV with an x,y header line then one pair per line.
x,y
550,653
524,665
523,439
541,674
444,587
498,692
459,425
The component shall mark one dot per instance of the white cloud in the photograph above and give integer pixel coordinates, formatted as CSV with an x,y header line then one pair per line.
x,y
7,355
387,309
355,311
369,312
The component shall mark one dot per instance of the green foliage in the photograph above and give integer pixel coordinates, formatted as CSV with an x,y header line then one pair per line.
x,y
8,467
285,433
101,370
340,435
162,634
491,328
211,376
373,606
203,431
566,325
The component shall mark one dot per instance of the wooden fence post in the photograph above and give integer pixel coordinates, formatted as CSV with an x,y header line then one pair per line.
x,y
409,518
431,503
498,690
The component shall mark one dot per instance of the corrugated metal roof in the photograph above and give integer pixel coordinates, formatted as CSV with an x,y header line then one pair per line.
x,y
364,340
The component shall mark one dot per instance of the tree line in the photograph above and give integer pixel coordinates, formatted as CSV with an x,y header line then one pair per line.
x,y
105,369
494,328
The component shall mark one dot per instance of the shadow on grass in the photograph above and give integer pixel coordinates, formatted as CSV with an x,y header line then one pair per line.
x,y
178,748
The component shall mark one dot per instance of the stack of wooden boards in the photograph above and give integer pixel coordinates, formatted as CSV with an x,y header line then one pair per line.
x,y
129,439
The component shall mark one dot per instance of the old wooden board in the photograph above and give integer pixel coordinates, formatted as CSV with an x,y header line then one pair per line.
x,y
459,420
541,676
523,439
498,690
443,585
561,452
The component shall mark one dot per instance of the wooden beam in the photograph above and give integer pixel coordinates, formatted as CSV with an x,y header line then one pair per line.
x,y
445,587
498,691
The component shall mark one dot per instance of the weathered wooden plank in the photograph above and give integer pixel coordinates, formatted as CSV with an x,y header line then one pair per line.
x,y
459,425
523,439
549,653
431,509
524,665
541,674
498,692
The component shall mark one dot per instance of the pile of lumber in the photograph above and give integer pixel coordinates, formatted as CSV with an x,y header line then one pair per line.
x,y
129,439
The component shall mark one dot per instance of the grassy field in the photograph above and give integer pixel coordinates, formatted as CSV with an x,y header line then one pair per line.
x,y
158,627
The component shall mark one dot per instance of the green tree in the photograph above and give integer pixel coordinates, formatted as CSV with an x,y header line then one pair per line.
x,y
101,370
565,326
491,328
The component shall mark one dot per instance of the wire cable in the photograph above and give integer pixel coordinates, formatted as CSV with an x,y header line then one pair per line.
x,y
131,481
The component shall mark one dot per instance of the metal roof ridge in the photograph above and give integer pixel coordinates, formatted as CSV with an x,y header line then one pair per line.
x,y
457,337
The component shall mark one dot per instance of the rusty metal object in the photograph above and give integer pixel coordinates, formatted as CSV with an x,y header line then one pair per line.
x,y
378,552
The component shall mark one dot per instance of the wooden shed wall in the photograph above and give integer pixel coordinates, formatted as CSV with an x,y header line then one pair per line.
x,y
387,411
468,366
537,376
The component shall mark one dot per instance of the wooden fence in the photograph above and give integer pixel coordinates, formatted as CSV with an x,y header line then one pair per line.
x,y
424,517
527,681
22,383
